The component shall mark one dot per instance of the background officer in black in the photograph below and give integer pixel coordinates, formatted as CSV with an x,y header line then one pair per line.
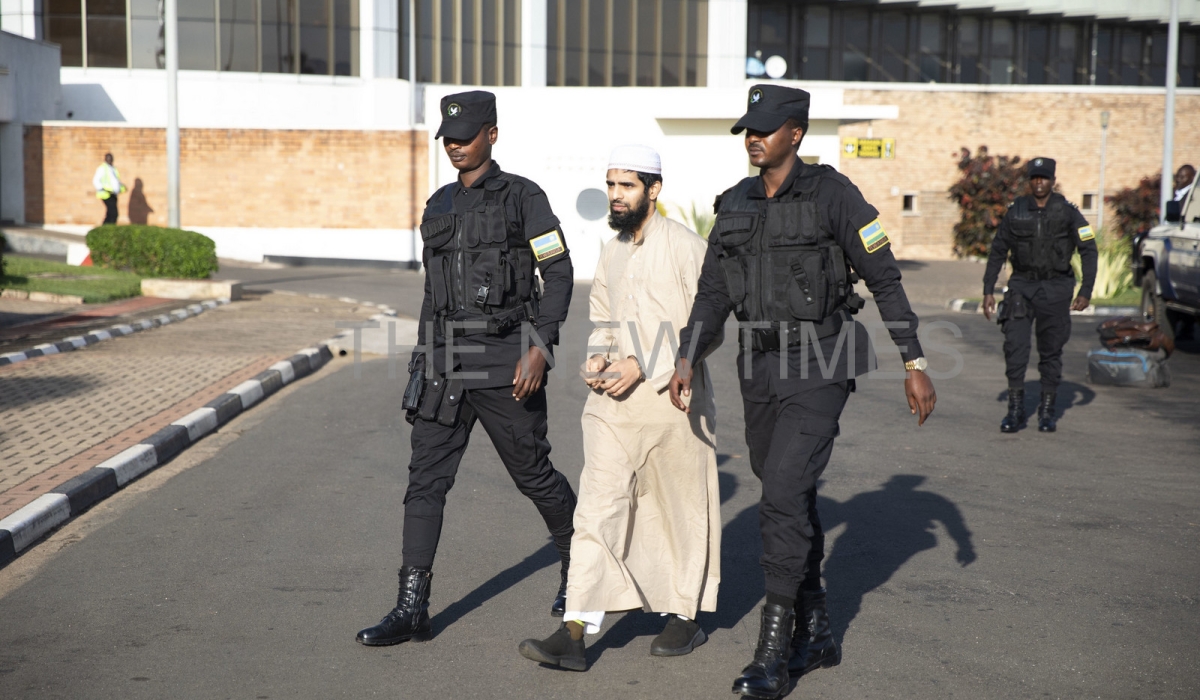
x,y
483,330
780,257
1040,231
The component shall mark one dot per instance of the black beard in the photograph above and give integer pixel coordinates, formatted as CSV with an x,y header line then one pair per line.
x,y
625,224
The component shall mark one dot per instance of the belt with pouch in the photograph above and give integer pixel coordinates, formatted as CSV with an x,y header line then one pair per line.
x,y
798,333
494,324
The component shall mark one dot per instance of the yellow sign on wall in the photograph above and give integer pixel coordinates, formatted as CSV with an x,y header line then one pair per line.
x,y
869,148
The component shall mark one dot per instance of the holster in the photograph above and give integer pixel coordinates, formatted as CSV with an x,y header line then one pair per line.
x,y
412,394
1013,305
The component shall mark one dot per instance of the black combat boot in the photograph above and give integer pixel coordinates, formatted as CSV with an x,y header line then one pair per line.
x,y
559,607
1048,412
410,618
1016,412
767,675
559,649
813,645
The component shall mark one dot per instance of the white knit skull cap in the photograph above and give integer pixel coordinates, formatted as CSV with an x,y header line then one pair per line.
x,y
638,158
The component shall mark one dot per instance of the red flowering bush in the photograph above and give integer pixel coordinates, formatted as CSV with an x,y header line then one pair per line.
x,y
987,186
1136,208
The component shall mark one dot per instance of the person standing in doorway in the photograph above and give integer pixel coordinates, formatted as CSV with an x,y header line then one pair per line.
x,y
107,182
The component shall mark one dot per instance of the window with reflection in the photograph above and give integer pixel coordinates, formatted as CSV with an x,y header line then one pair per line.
x,y
239,35
278,47
197,34
856,41
146,34
63,25
627,42
106,41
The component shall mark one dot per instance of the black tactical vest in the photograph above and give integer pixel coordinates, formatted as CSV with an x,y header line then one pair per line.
x,y
781,264
1042,243
479,265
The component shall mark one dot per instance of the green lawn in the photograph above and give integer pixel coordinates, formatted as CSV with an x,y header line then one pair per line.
x,y
94,284
1129,297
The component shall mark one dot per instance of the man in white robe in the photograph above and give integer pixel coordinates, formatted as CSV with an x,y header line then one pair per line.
x,y
647,524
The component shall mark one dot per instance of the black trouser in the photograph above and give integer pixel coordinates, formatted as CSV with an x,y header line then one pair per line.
x,y
110,209
518,431
1052,312
790,441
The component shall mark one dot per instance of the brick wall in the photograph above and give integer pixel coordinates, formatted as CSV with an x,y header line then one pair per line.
x,y
932,126
230,177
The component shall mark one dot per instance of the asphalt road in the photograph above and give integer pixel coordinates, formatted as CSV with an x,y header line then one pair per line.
x,y
962,563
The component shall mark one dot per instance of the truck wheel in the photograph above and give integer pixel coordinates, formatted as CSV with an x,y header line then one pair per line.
x,y
1153,308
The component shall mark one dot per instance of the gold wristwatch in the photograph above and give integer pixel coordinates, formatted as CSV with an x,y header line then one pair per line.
x,y
918,364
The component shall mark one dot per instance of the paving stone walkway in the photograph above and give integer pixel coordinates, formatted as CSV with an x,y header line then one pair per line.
x,y
63,414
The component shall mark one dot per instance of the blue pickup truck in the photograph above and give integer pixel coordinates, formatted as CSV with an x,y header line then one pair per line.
x,y
1167,265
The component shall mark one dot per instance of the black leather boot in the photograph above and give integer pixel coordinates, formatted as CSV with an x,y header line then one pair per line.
x,y
767,675
559,607
410,618
1048,412
813,645
1016,412
556,650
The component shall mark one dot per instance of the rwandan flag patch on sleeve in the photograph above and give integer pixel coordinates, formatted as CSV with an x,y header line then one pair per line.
x,y
1086,233
873,236
547,245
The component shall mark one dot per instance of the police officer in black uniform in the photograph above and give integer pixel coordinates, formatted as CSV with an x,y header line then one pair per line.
x,y
783,256
1039,232
485,334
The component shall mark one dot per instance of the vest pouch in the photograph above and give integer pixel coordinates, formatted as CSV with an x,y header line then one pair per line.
x,y
735,229
521,269
438,231
486,284
733,232
808,292
790,224
1063,246
494,226
439,281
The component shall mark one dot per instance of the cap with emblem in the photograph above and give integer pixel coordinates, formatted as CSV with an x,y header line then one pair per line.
x,y
769,106
642,159
465,113
1040,167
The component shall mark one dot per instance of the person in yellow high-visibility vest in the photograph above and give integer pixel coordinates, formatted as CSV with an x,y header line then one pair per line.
x,y
107,182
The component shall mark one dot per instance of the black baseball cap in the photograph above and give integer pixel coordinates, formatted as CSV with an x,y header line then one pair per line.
x,y
465,113
1040,167
769,106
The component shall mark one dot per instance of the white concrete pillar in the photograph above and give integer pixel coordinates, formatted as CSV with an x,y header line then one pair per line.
x,y
533,43
726,43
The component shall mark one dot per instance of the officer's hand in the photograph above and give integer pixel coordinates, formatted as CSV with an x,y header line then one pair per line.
x,y
1081,302
681,385
989,306
591,371
621,376
921,396
527,378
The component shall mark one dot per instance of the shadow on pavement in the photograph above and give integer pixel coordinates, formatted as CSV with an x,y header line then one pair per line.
x,y
17,392
1070,395
546,556
884,529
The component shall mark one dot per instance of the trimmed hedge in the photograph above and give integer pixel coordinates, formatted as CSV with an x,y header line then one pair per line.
x,y
153,251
